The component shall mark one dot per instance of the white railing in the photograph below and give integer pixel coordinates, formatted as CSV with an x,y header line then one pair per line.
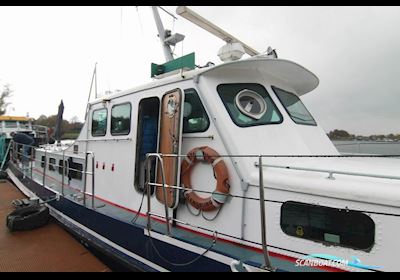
x,y
267,264
25,156
16,155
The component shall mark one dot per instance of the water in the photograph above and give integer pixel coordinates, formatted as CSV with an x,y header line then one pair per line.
x,y
368,147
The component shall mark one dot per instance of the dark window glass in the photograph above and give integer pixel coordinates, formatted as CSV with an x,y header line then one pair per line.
x,y
294,107
249,104
74,170
11,124
62,164
99,122
195,118
121,119
328,225
52,162
43,162
147,139
24,125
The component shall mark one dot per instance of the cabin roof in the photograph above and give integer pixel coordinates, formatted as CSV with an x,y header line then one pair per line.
x,y
14,118
288,72
294,75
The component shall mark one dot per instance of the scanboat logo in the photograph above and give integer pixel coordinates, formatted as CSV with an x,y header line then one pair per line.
x,y
317,260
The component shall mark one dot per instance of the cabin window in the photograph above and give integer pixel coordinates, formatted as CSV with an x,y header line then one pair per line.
x,y
62,164
121,119
11,124
330,226
52,162
99,122
43,162
294,107
249,104
74,170
24,125
195,118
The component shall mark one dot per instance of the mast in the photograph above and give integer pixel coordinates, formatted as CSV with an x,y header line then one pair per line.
x,y
161,33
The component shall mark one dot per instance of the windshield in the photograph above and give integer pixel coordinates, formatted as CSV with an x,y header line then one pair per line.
x,y
294,107
249,104
24,124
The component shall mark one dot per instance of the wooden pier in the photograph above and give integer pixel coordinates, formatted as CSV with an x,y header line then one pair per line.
x,y
47,249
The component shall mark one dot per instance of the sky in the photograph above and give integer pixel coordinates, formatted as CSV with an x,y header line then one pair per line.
x,y
48,54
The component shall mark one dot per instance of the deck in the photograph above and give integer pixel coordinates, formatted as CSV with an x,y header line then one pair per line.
x,y
47,249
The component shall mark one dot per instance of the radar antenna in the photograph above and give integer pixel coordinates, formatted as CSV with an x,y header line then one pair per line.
x,y
198,20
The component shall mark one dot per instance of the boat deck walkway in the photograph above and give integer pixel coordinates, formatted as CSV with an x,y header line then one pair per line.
x,y
47,249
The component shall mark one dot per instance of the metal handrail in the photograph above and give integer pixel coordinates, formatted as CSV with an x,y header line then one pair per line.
x,y
331,172
63,173
55,164
85,178
15,153
147,163
260,165
267,263
44,169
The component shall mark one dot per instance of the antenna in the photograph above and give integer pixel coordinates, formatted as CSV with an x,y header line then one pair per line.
x,y
161,33
195,18
94,78
167,39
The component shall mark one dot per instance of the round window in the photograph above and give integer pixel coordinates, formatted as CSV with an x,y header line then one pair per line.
x,y
251,104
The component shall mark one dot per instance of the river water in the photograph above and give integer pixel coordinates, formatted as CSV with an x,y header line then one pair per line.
x,y
368,147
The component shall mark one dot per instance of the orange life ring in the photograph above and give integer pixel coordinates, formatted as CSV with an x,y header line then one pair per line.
x,y
218,198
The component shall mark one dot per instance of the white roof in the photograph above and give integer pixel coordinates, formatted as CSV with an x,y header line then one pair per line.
x,y
288,72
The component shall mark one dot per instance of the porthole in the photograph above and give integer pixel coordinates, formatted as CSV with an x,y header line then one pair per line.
x,y
251,104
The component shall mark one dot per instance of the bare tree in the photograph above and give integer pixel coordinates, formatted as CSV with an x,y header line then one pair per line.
x,y
74,119
3,99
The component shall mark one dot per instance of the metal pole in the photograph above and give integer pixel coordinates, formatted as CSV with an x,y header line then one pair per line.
x,y
93,189
9,147
94,78
148,190
44,167
84,182
31,162
267,262
243,217
164,194
161,33
147,163
95,81
63,173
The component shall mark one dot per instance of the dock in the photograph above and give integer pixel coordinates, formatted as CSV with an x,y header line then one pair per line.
x,y
47,249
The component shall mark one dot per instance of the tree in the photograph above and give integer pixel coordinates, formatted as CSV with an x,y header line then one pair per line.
x,y
68,130
74,119
339,134
3,99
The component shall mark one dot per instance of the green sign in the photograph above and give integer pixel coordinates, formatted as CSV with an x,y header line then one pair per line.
x,y
186,62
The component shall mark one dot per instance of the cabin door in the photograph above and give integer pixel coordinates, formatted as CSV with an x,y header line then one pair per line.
x,y
170,140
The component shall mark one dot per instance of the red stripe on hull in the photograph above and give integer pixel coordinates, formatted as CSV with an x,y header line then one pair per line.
x,y
254,249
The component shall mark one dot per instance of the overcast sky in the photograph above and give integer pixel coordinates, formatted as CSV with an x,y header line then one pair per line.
x,y
48,54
